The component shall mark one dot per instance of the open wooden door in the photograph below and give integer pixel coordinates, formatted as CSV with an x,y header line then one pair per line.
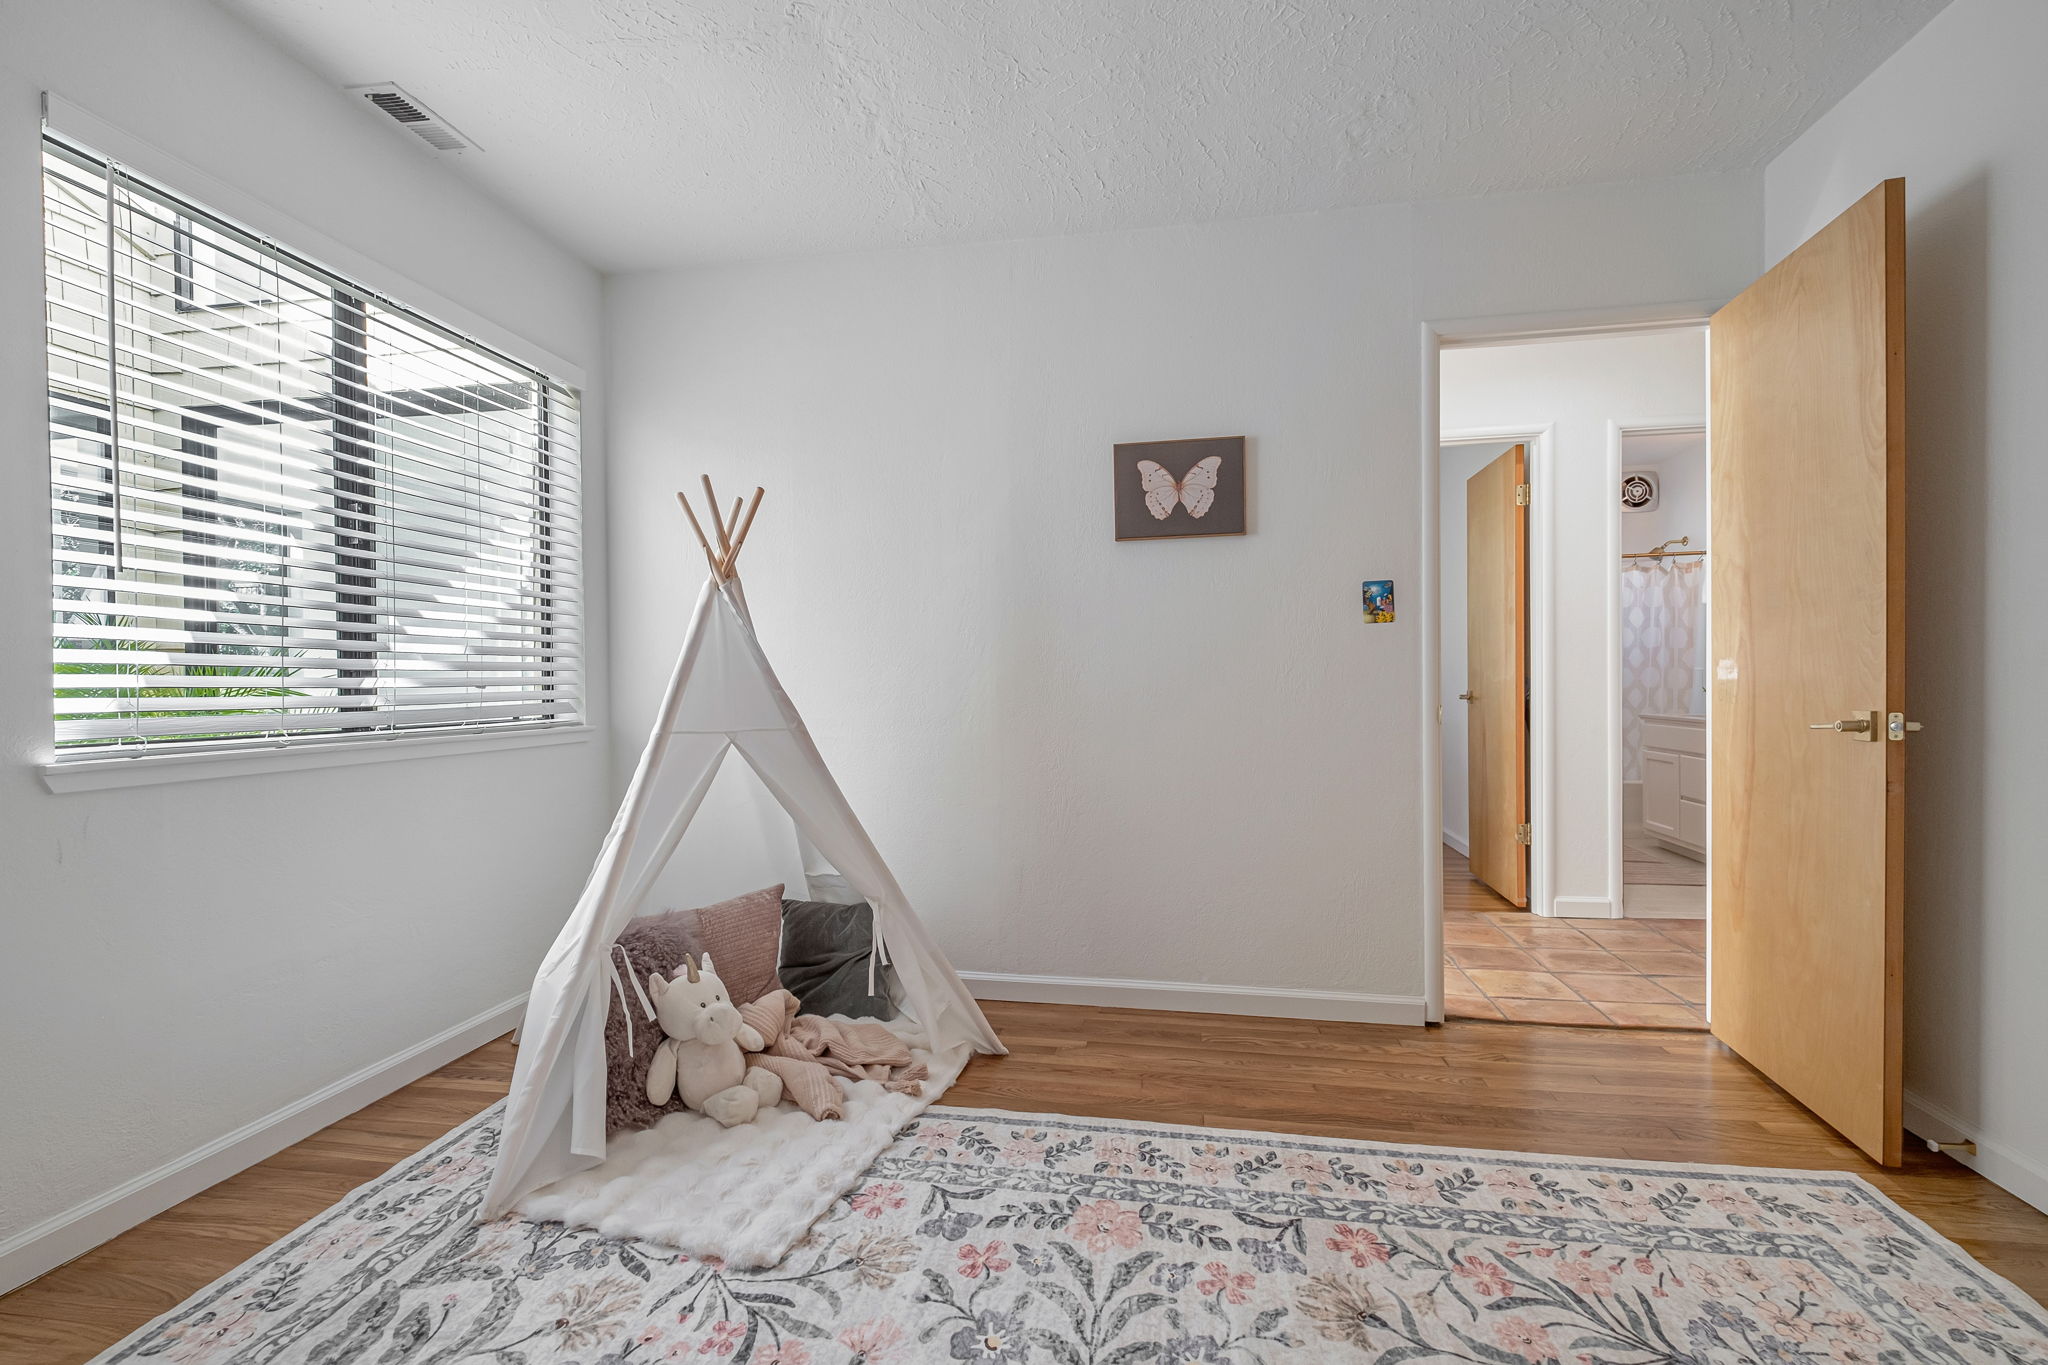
x,y
1808,516
1497,672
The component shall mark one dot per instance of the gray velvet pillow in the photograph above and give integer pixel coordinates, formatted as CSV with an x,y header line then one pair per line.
x,y
825,951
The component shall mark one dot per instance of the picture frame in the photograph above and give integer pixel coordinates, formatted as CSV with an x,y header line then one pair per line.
x,y
1169,490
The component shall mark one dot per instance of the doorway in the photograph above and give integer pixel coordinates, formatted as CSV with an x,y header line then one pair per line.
x,y
1530,538
1663,651
1807,723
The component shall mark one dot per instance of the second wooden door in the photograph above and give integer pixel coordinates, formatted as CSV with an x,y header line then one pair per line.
x,y
1497,672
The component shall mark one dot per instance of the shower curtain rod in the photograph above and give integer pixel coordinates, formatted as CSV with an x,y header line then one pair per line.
x,y
1665,551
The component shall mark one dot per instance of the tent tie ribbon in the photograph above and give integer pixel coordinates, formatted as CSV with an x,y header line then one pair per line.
x,y
626,1006
879,953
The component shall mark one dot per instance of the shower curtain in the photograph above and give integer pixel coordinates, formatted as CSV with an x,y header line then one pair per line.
x,y
1660,611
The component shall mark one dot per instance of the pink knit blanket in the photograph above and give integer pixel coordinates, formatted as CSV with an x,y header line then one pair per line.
x,y
808,1052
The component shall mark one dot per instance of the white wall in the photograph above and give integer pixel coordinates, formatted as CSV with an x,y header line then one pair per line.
x,y
182,960
1577,387
1680,463
1178,761
1460,462
1961,113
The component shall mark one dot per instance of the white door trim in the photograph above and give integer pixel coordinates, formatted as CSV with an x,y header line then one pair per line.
x,y
1429,722
1433,336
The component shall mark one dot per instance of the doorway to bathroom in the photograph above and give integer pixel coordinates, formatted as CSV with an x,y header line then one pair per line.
x,y
1571,894
1662,508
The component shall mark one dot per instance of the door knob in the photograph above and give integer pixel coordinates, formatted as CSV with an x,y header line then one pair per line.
x,y
1468,696
1864,726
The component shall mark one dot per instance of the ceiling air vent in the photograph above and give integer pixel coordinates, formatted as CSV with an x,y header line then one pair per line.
x,y
409,114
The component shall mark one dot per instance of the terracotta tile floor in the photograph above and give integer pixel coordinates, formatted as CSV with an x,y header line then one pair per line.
x,y
1504,963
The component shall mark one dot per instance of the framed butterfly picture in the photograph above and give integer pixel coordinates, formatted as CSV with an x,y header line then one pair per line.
x,y
1167,489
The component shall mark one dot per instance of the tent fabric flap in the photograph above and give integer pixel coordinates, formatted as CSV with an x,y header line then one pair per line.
x,y
723,695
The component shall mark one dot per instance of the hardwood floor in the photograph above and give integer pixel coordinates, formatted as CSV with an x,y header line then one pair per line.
x,y
80,1309
1575,1091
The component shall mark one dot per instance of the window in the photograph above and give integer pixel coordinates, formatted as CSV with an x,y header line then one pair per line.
x,y
285,509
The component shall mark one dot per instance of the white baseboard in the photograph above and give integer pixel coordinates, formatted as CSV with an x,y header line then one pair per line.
x,y
1999,1164
1199,997
1458,842
1652,901
70,1234
1583,907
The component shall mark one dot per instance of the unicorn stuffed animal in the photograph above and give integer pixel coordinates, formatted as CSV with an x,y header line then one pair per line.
x,y
702,1053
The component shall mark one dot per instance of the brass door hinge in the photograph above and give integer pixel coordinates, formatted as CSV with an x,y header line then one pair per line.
x,y
1521,495
1523,835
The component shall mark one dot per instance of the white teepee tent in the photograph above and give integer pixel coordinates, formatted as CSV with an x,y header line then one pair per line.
x,y
722,697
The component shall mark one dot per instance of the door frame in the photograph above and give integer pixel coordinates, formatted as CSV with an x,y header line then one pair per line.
x,y
1434,335
1617,429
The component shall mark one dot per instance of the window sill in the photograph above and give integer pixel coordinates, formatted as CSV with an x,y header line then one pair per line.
x,y
101,774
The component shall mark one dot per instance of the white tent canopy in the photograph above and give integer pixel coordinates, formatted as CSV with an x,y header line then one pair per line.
x,y
722,697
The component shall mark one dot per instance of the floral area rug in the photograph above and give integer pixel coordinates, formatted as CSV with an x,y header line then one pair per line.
x,y
1013,1238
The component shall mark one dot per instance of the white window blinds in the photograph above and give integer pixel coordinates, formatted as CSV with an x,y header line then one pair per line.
x,y
285,509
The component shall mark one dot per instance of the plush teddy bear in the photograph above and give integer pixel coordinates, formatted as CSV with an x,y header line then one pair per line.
x,y
702,1053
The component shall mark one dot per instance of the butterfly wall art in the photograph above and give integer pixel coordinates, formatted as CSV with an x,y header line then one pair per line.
x,y
1167,489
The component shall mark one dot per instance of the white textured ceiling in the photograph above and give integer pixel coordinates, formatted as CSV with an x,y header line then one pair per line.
x,y
652,132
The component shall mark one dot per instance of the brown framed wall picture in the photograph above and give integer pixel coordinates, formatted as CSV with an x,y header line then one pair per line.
x,y
1170,489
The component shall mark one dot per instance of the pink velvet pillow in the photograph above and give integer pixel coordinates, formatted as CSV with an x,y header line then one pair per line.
x,y
744,937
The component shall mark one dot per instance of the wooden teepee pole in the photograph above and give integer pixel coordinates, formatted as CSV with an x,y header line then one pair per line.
x,y
697,526
717,521
732,531
739,539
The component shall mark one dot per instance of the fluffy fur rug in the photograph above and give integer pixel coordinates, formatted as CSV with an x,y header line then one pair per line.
x,y
745,1194
1032,1239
